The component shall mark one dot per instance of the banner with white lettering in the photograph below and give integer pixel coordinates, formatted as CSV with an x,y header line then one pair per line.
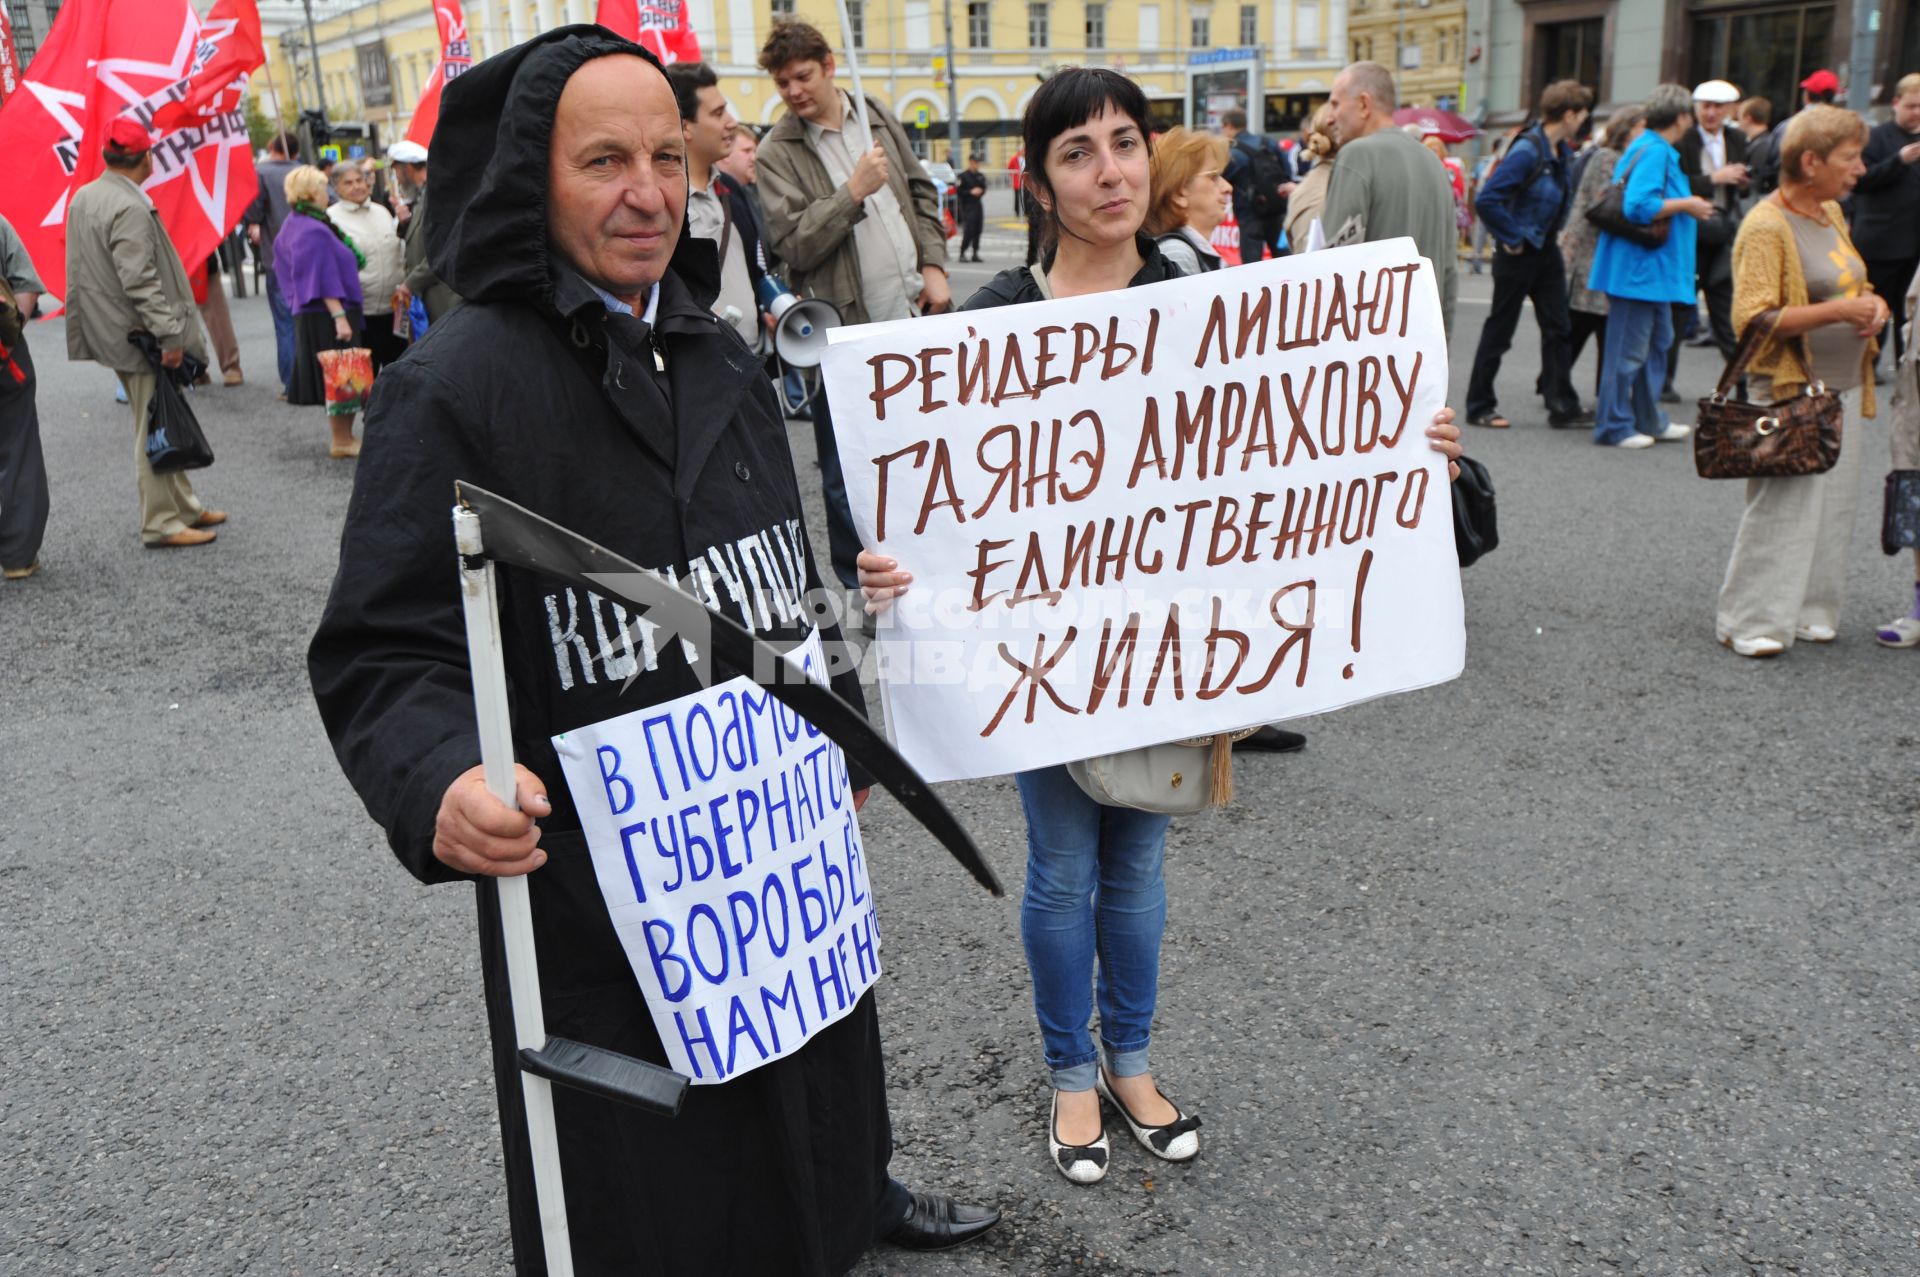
x,y
725,843
1155,513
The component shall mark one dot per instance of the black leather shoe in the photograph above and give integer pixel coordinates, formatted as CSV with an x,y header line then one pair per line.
x,y
1570,420
1669,396
934,1222
1274,740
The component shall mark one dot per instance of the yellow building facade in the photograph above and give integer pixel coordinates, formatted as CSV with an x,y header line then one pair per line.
x,y
1423,41
1194,58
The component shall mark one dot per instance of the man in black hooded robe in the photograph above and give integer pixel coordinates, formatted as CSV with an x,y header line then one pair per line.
x,y
587,379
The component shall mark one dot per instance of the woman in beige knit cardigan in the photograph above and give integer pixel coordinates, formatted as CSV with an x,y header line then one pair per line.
x,y
1787,575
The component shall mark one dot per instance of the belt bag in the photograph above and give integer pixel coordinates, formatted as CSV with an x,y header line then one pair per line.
x,y
1609,213
1797,436
1178,778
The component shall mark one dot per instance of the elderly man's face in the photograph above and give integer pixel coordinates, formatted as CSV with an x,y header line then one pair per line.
x,y
1346,110
617,175
1711,115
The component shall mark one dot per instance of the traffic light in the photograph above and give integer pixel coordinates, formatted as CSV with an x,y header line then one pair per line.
x,y
313,127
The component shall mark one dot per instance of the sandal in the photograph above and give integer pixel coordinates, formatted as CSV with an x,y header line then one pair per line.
x,y
1174,1142
1492,421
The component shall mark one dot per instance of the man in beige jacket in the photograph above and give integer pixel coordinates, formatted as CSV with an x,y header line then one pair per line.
x,y
854,217
123,277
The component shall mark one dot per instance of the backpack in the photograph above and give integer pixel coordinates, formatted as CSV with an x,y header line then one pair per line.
x,y
1266,172
1541,158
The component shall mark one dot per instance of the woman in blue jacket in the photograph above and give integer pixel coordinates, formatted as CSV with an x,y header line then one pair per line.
x,y
1641,283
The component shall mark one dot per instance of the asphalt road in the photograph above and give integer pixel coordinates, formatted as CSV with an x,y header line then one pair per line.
x,y
1598,960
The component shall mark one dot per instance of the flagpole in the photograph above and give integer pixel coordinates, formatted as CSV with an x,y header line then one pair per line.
x,y
279,105
853,71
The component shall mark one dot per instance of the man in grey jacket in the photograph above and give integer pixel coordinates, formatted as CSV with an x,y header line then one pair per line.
x,y
1386,184
263,219
854,217
124,277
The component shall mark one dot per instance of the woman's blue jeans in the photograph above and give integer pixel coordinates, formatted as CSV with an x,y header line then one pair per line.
x,y
1633,367
1094,889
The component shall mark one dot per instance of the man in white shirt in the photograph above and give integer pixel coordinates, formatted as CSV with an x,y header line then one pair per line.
x,y
1714,159
713,209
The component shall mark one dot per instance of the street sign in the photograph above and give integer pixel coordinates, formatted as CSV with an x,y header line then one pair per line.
x,y
939,69
330,153
921,116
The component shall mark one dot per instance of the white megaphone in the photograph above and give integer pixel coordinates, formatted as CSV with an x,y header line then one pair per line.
x,y
800,324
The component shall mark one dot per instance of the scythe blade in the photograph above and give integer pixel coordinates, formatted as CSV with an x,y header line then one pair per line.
x,y
513,534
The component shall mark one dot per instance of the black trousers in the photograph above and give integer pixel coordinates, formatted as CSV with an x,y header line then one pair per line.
x,y
1540,274
1585,324
972,219
1891,277
1256,230
24,501
1712,275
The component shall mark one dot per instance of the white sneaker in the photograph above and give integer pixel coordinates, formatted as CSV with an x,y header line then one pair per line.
x,y
1673,433
1816,633
1757,648
1904,632
1636,441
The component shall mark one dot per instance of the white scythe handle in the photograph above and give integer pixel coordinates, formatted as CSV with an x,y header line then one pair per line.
x,y
484,656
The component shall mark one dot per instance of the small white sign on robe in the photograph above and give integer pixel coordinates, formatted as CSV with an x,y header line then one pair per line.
x,y
725,843
1156,513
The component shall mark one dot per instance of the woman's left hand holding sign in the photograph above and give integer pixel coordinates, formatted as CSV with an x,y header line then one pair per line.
x,y
881,580
1446,440
476,833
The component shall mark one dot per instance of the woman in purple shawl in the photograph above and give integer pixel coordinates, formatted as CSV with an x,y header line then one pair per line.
x,y
319,272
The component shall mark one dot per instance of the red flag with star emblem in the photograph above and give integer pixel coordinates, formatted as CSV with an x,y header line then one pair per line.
x,y
456,55
9,58
108,58
658,25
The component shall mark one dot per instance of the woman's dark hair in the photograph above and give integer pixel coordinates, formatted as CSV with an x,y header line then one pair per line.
x,y
1065,100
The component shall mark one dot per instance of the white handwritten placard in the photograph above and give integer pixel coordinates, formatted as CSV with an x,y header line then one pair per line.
x,y
1155,513
725,843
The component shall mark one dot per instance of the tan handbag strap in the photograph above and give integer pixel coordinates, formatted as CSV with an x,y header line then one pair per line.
x,y
1040,279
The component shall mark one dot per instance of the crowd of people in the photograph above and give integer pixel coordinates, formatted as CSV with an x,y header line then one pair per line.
x,y
1814,218
626,211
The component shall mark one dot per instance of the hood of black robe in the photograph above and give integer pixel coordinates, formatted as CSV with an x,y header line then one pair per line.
x,y
487,235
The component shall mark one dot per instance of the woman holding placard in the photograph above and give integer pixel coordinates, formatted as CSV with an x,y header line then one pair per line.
x,y
1095,904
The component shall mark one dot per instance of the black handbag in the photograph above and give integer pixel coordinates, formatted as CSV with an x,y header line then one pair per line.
x,y
1476,528
175,440
1900,512
1609,213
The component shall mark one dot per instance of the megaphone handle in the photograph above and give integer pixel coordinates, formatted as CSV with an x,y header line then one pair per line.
x,y
818,383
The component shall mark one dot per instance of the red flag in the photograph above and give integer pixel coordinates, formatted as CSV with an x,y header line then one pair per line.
x,y
106,58
219,82
1226,240
9,59
659,25
456,55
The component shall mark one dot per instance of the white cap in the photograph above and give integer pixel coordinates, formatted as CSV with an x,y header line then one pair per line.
x,y
1716,91
407,152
